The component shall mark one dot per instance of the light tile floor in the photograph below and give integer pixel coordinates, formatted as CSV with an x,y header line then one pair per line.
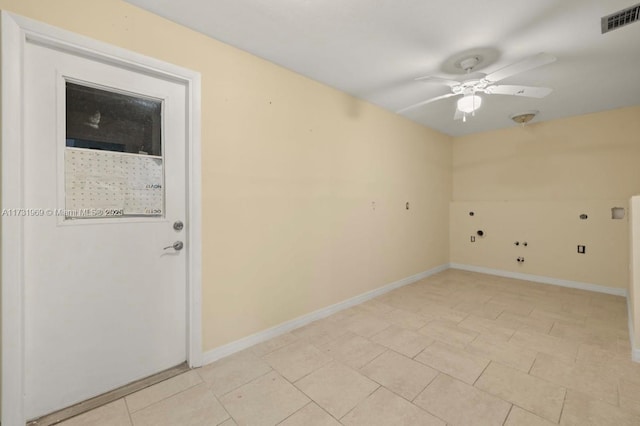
x,y
457,348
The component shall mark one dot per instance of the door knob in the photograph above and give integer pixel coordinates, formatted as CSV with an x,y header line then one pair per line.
x,y
177,246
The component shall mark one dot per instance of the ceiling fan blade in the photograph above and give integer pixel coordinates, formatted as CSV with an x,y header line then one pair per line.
x,y
428,101
522,66
528,91
433,79
458,115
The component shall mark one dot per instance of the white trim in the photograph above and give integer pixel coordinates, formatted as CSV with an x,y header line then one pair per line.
x,y
12,227
635,351
16,31
270,333
541,279
194,222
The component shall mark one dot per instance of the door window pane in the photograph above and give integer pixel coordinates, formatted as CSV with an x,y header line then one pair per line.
x,y
99,119
113,154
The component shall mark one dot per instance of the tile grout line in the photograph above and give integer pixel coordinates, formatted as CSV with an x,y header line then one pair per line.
x,y
328,413
202,382
316,402
480,375
427,385
564,401
297,339
246,383
168,396
360,402
532,364
223,407
438,375
126,404
295,412
374,358
331,359
508,414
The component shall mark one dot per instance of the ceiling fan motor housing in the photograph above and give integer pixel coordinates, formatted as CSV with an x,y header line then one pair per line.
x,y
469,87
469,63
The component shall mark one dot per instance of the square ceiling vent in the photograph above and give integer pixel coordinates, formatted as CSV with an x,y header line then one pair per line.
x,y
620,19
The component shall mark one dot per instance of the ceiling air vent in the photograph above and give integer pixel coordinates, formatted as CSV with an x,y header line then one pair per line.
x,y
620,18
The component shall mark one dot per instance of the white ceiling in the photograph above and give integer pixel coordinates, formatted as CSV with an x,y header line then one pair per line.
x,y
374,49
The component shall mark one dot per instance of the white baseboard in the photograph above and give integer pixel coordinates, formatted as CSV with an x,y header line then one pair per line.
x,y
246,342
541,279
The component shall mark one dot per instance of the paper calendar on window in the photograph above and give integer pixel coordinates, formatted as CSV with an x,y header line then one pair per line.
x,y
107,183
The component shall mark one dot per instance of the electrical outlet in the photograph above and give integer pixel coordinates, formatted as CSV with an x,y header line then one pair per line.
x,y
582,249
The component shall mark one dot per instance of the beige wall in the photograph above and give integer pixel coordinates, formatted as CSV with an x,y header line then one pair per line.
x,y
588,157
290,169
552,230
533,183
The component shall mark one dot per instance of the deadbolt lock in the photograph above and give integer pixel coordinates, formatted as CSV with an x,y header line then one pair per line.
x,y
178,225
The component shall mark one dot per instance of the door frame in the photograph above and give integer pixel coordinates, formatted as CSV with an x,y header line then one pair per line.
x,y
16,32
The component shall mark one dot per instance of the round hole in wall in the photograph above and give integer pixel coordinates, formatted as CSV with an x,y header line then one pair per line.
x,y
471,213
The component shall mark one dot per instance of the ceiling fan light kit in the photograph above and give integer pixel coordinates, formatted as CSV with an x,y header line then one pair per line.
x,y
469,103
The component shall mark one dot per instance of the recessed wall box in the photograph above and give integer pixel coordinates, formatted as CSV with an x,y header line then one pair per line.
x,y
617,213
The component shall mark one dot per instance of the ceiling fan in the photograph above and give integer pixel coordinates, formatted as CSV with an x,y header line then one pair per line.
x,y
469,88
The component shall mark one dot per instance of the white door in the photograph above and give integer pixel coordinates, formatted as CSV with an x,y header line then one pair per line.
x,y
104,176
